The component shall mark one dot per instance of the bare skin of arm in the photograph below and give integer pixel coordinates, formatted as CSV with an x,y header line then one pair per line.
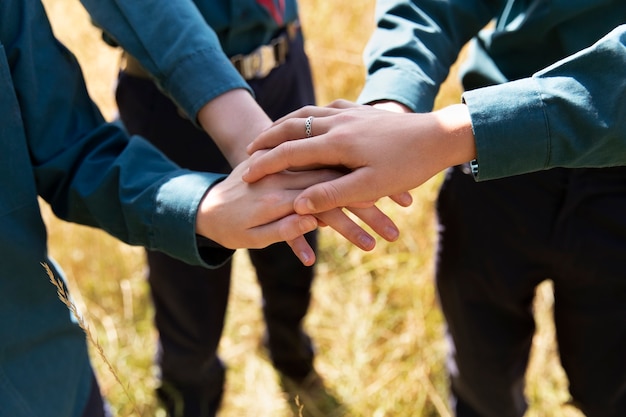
x,y
233,120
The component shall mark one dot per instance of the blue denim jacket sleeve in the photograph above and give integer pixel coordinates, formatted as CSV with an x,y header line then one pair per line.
x,y
55,145
571,114
414,44
89,171
174,43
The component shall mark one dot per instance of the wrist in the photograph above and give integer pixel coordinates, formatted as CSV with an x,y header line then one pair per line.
x,y
458,135
390,105
233,120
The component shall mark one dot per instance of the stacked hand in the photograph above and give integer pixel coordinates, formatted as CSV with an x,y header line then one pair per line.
x,y
352,156
386,153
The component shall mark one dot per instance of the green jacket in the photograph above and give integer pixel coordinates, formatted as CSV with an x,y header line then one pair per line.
x,y
55,144
541,92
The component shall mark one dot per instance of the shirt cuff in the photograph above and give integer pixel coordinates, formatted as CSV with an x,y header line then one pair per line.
x,y
192,88
510,128
395,85
174,222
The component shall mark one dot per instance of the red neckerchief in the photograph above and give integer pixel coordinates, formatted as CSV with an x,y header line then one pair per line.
x,y
275,12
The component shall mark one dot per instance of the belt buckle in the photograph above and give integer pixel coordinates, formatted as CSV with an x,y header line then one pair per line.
x,y
259,63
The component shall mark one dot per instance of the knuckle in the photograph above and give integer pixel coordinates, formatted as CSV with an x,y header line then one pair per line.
x,y
331,194
308,108
287,229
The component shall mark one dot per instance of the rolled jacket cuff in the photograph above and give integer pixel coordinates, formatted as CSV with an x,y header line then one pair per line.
x,y
510,128
174,223
191,87
400,86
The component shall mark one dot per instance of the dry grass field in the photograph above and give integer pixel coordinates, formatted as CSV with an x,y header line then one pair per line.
x,y
374,316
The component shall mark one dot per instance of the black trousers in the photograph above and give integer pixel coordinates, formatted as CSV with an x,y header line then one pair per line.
x,y
191,302
498,241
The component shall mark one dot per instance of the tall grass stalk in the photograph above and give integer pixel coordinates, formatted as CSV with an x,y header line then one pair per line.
x,y
64,297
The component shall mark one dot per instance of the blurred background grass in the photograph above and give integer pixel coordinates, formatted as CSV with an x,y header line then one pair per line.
x,y
374,316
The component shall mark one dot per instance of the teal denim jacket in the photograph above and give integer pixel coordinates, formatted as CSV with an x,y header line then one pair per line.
x,y
543,91
54,144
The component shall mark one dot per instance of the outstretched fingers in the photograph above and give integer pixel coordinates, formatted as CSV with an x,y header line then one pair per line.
x,y
378,221
402,199
345,226
290,229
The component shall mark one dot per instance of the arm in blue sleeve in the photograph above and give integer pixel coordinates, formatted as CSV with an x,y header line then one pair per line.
x,y
89,171
571,114
414,45
174,43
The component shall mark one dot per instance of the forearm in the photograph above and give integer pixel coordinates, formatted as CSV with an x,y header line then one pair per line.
x,y
456,143
233,120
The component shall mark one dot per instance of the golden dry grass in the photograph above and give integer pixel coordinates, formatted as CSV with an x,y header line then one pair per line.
x,y
374,316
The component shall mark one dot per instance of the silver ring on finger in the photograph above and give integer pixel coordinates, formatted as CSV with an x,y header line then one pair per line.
x,y
308,126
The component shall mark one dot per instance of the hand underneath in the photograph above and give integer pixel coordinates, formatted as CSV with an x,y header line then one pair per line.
x,y
236,214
